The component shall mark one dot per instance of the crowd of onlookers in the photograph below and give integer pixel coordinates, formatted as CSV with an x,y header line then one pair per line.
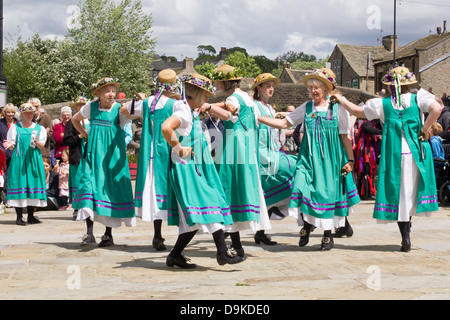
x,y
56,153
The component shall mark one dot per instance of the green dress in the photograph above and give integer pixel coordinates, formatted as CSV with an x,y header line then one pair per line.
x,y
276,168
195,186
153,147
238,167
390,168
27,183
319,189
105,183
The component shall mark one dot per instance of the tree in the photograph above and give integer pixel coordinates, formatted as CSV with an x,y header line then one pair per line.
x,y
114,40
266,65
205,68
246,63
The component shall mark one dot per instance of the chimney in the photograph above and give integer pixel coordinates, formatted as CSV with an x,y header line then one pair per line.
x,y
223,53
445,27
189,65
389,42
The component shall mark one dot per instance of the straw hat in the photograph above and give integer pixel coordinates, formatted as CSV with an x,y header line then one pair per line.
x,y
405,76
103,83
325,75
265,77
200,81
168,81
27,107
227,73
80,101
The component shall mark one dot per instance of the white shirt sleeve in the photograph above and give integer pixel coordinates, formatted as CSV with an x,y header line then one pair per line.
x,y
43,135
297,116
85,111
138,107
345,124
373,109
12,134
424,100
183,112
234,101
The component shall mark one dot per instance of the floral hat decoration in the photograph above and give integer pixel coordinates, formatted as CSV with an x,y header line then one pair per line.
x,y
27,107
325,75
404,76
200,81
265,77
168,81
80,101
104,82
397,78
226,73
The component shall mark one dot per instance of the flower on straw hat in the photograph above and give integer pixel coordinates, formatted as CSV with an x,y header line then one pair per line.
x,y
265,77
226,73
325,75
168,81
403,74
200,81
27,107
81,100
104,82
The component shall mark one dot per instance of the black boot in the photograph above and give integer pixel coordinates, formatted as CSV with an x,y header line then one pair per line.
x,y
260,236
346,231
304,234
405,230
327,241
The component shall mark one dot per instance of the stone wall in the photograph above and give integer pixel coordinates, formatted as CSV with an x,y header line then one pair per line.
x,y
285,94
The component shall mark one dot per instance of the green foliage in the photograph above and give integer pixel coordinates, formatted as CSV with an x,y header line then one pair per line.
x,y
111,41
205,69
245,63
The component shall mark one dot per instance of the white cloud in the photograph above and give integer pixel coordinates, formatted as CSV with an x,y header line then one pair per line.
x,y
263,27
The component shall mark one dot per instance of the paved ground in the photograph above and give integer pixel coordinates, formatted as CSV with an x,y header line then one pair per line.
x,y
46,262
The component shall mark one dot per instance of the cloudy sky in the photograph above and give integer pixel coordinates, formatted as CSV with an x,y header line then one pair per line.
x,y
263,27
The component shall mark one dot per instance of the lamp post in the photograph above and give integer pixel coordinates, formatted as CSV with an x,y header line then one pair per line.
x,y
395,64
3,79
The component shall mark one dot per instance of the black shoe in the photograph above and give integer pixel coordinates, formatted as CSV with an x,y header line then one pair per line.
x,y
180,261
33,220
304,237
229,258
327,244
405,231
264,239
158,244
238,252
107,241
343,232
21,222
406,246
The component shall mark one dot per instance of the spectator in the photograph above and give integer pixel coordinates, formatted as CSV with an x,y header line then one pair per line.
x,y
62,168
51,179
44,120
58,131
121,95
26,190
445,100
9,112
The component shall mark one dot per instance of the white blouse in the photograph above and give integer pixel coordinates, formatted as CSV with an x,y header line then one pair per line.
x,y
12,133
373,109
235,102
298,116
85,111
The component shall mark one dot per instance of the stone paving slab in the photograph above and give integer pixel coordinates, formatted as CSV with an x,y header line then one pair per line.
x,y
46,262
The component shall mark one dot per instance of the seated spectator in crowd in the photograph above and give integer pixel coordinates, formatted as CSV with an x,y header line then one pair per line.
x,y
58,131
52,181
438,150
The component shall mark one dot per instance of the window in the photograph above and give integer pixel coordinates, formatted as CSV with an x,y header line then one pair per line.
x,y
355,83
337,67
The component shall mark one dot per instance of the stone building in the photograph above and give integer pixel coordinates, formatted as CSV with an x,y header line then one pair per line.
x,y
427,57
353,65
